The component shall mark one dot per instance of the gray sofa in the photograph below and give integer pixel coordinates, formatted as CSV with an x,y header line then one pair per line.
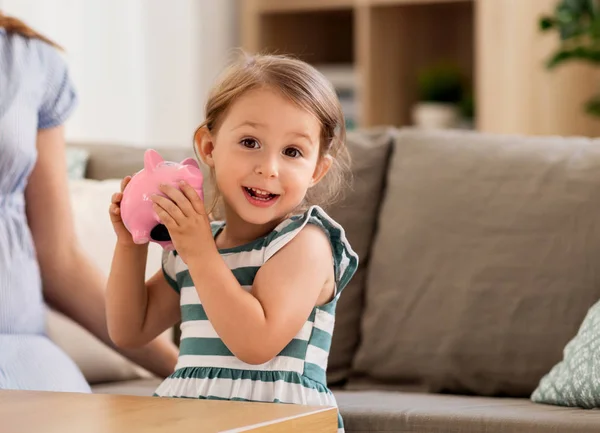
x,y
479,257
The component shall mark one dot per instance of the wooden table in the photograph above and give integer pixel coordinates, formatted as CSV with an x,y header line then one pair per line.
x,y
48,412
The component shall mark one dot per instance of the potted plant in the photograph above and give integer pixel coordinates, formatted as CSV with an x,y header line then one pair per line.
x,y
441,97
578,25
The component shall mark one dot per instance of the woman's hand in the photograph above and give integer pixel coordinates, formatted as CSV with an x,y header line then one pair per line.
x,y
184,215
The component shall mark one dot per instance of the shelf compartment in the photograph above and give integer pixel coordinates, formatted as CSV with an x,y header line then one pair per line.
x,y
315,37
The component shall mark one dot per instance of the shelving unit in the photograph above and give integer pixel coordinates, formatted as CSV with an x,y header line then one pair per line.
x,y
349,40
381,45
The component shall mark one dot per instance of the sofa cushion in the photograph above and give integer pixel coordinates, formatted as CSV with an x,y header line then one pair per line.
x,y
357,213
379,412
114,161
485,261
574,381
77,160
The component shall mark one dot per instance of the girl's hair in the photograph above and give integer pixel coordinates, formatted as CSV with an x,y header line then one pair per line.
x,y
304,86
14,25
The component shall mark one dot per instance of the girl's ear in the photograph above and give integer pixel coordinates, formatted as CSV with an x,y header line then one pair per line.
x,y
204,143
321,170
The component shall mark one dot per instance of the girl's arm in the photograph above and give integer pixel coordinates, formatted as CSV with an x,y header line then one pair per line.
x,y
138,311
256,326
71,283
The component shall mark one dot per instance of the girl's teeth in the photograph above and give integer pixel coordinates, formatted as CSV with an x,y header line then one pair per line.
x,y
259,194
259,191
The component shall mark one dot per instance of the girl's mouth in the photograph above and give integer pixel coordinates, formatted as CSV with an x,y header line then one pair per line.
x,y
260,197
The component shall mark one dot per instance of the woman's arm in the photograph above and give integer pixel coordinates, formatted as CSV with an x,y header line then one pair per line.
x,y
72,284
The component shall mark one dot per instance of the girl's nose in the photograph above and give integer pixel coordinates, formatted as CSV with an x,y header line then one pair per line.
x,y
267,167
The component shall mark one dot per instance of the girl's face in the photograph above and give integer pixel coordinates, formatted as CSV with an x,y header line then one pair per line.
x,y
265,156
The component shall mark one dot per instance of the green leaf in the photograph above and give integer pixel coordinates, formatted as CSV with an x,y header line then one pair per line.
x,y
594,30
441,83
593,106
578,7
587,54
467,106
546,23
577,23
575,18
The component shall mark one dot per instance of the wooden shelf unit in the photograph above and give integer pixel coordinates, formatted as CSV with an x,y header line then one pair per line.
x,y
357,34
385,43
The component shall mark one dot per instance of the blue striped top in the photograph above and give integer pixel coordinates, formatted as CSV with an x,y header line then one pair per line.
x,y
35,93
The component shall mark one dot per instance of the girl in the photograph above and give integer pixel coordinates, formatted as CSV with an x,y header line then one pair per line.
x,y
256,292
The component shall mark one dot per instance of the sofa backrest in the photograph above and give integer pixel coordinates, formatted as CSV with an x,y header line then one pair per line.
x,y
478,256
484,264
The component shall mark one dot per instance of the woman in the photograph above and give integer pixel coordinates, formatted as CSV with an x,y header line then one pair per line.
x,y
40,258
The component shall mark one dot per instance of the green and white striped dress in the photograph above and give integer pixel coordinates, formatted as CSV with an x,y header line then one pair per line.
x,y
207,369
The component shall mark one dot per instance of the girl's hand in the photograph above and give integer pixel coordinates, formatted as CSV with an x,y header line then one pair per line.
x,y
123,235
184,215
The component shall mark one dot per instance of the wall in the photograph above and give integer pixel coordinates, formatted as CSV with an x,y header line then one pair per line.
x,y
516,94
142,68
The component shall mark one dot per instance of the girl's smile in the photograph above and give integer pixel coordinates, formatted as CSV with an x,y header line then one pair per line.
x,y
259,197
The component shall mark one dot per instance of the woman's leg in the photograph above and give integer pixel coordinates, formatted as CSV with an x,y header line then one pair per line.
x,y
33,362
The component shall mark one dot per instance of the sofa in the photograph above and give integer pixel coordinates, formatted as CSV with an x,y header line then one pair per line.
x,y
479,260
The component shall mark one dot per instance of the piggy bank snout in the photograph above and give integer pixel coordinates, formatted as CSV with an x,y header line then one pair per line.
x,y
140,236
157,233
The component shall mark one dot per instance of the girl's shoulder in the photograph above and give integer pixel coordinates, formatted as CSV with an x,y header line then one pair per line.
x,y
344,258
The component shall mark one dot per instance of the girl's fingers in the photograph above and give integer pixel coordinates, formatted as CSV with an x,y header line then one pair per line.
x,y
164,216
124,182
193,197
168,206
116,197
179,198
115,212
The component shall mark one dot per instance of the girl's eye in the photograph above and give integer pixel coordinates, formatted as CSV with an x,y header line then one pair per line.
x,y
250,143
292,152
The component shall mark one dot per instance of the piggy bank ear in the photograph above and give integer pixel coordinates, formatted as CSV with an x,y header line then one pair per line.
x,y
151,159
192,173
190,161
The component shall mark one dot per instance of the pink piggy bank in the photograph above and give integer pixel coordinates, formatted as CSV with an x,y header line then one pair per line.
x,y
136,207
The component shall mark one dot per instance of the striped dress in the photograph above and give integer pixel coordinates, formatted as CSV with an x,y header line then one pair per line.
x,y
207,369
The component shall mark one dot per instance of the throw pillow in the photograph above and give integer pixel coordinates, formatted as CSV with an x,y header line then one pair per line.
x,y
357,213
77,160
575,380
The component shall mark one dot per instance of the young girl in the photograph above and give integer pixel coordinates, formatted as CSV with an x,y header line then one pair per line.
x,y
256,293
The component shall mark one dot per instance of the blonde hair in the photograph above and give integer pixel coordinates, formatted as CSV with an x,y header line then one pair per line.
x,y
14,25
305,87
